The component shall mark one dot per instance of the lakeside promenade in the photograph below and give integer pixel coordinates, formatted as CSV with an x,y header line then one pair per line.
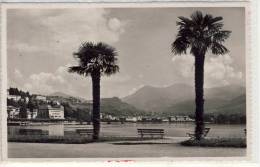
x,y
168,147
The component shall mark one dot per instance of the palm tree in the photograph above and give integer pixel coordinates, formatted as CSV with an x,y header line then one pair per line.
x,y
95,60
199,34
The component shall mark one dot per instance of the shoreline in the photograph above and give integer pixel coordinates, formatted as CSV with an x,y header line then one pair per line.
x,y
25,123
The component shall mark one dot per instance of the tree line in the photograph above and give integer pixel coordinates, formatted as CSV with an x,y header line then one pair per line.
x,y
16,91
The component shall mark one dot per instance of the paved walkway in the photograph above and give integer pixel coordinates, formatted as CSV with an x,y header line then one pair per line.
x,y
169,148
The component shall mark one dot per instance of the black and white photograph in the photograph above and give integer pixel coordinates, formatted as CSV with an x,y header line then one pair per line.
x,y
126,82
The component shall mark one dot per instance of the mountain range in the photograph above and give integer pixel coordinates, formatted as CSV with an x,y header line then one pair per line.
x,y
179,99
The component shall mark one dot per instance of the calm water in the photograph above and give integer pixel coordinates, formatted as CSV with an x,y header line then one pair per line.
x,y
130,129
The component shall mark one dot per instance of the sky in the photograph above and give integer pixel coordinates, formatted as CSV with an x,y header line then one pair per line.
x,y
40,44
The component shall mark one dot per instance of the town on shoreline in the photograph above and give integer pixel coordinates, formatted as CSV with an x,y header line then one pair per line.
x,y
24,108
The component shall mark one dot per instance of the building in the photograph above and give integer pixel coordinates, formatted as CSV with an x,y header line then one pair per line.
x,y
27,99
56,112
13,112
110,117
131,119
51,112
29,116
32,114
39,97
14,97
180,118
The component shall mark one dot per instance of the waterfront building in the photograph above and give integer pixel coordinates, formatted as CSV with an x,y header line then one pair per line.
x,y
13,112
131,119
51,112
29,116
181,118
165,120
32,114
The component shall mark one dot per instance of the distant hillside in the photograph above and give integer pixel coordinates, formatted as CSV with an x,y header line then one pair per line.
x,y
60,94
212,106
113,106
234,106
157,99
64,95
188,107
226,92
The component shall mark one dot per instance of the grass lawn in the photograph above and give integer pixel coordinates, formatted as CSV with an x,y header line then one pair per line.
x,y
217,142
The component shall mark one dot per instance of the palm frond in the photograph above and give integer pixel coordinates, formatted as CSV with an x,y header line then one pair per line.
x,y
95,58
221,36
184,21
218,49
111,69
206,20
215,19
197,17
180,45
200,33
78,69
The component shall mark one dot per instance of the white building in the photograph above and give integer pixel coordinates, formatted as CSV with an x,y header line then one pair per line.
x,y
29,116
34,113
13,112
131,119
180,118
14,97
26,99
52,112
56,112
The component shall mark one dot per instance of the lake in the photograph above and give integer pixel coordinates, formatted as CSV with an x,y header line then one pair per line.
x,y
130,129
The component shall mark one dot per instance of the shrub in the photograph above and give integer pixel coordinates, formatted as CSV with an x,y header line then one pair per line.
x,y
217,142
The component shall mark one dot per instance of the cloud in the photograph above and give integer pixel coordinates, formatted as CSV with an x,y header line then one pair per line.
x,y
218,70
60,80
44,83
184,65
50,36
63,81
116,25
75,27
62,30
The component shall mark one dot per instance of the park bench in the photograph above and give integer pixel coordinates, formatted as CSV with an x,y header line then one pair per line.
x,y
33,132
151,132
205,133
84,132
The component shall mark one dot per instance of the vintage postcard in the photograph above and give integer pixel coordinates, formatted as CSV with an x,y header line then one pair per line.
x,y
128,82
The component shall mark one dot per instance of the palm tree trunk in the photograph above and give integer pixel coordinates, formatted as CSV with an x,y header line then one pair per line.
x,y
199,81
96,105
